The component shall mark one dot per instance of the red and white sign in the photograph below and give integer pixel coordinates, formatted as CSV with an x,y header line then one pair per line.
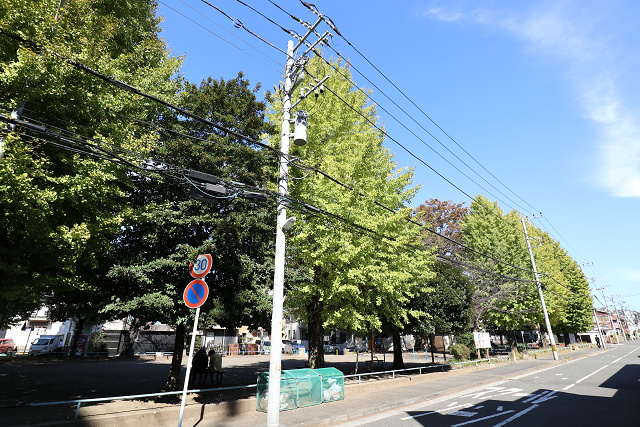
x,y
196,293
201,266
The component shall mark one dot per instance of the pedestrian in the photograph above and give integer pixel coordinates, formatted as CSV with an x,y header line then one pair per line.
x,y
199,367
215,366
598,341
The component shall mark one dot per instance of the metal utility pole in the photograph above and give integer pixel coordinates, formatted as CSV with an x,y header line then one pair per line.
x,y
544,306
293,75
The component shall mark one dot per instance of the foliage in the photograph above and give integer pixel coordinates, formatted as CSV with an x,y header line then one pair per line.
x,y
446,302
460,352
505,294
358,279
443,218
63,209
97,343
168,229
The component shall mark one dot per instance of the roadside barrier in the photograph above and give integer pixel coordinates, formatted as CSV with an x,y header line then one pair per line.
x,y
79,402
393,373
431,368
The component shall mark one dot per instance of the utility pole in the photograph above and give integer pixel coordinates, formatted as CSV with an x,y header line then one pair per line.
x,y
613,302
294,71
544,306
606,304
595,315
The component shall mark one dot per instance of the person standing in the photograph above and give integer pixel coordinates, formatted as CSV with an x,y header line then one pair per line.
x,y
215,366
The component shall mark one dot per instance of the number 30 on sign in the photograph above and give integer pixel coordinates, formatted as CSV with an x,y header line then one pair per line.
x,y
201,266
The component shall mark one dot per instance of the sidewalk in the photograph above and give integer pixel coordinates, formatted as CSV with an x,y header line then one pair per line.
x,y
210,409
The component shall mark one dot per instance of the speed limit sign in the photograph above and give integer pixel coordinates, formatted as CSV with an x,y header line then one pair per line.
x,y
201,266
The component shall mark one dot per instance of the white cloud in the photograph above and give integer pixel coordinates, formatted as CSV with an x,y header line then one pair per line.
x,y
583,48
443,15
629,276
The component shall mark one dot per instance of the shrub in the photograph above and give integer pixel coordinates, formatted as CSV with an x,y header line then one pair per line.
x,y
460,352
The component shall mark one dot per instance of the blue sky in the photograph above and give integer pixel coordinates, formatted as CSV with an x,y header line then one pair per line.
x,y
539,101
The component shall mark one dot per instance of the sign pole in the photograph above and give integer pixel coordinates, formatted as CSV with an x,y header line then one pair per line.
x,y
186,378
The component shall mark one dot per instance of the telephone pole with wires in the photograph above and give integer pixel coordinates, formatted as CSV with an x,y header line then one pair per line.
x,y
294,73
606,304
552,340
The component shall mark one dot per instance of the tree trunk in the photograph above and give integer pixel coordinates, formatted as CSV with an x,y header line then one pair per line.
x,y
398,363
173,380
316,334
567,340
76,336
513,343
128,345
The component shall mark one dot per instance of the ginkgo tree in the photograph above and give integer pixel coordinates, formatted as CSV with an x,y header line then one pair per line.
x,y
363,262
62,209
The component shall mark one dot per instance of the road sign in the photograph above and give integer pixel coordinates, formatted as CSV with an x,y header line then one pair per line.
x,y
196,293
201,266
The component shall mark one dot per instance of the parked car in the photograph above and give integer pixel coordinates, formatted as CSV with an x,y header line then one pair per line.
x,y
329,348
8,347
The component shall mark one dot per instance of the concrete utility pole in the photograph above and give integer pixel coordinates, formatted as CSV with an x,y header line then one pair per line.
x,y
613,302
595,315
293,75
544,306
606,304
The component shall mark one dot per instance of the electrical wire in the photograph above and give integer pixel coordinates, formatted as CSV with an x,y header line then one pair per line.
x,y
185,112
222,38
333,26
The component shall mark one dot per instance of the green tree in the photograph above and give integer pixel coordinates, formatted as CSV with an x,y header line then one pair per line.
x,y
169,229
505,295
62,209
358,280
566,290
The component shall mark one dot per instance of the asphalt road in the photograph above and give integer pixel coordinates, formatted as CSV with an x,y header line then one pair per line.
x,y
602,388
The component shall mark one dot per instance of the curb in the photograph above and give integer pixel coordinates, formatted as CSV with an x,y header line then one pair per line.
x,y
154,414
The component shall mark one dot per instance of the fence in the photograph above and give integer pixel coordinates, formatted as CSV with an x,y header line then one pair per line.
x,y
429,368
393,374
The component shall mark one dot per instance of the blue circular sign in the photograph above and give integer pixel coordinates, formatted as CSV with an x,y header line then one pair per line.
x,y
196,293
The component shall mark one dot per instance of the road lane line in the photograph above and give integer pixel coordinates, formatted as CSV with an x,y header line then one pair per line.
x,y
513,417
439,411
482,419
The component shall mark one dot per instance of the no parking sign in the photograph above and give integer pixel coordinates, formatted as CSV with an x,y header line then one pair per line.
x,y
196,293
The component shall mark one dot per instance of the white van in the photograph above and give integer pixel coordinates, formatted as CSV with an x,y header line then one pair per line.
x,y
46,344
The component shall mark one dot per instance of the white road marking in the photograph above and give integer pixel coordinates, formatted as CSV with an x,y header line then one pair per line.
x,y
463,414
439,411
417,416
499,409
535,396
481,419
545,398
513,417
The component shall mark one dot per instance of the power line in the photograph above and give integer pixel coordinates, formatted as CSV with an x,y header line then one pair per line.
x,y
185,112
222,38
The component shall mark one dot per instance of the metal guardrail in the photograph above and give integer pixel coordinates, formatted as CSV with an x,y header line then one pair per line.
x,y
79,402
393,373
421,368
